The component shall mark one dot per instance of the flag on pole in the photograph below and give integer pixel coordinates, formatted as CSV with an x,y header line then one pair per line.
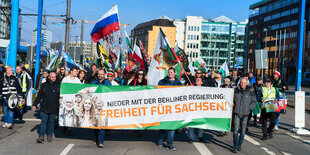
x,y
106,25
112,56
145,54
200,63
137,56
163,58
102,54
165,45
118,63
130,49
224,70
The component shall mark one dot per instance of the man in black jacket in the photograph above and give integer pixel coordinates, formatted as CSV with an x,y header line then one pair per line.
x,y
48,97
9,86
244,102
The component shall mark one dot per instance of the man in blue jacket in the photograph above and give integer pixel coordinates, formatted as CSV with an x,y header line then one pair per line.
x,y
169,80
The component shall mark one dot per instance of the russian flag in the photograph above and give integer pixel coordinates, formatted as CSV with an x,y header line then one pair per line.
x,y
106,25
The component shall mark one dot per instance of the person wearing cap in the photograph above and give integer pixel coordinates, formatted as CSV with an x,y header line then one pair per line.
x,y
189,79
110,80
281,86
268,93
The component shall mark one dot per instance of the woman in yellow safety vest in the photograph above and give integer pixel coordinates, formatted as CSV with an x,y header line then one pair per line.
x,y
267,94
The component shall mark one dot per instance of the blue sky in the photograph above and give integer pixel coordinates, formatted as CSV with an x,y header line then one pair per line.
x,y
131,12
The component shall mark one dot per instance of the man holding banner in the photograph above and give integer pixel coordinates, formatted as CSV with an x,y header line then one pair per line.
x,y
100,133
170,80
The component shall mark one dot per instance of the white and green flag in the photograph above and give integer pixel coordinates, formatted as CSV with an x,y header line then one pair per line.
x,y
224,70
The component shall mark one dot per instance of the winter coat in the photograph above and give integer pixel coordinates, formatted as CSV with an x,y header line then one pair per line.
x,y
244,101
167,82
48,97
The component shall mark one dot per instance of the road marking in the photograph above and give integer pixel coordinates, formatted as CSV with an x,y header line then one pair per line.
x,y
285,153
267,151
251,140
202,148
296,137
67,149
32,119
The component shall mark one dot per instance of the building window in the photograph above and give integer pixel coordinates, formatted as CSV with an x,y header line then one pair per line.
x,y
194,28
266,19
197,28
295,10
285,13
189,28
188,37
275,16
294,22
286,24
197,37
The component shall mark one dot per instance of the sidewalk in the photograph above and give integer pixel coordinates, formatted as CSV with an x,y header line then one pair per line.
x,y
291,96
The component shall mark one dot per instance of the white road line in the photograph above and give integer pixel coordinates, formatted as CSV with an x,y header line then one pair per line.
x,y
285,153
32,119
67,149
251,140
202,148
267,151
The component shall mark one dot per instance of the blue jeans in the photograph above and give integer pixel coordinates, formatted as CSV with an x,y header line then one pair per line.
x,y
278,119
47,121
8,113
99,136
190,132
237,121
169,137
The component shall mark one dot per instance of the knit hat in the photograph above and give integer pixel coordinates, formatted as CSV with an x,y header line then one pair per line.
x,y
111,74
277,73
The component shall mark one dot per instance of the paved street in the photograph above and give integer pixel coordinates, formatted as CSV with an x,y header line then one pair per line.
x,y
22,140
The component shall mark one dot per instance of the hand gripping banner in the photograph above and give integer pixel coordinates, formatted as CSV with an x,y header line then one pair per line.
x,y
145,107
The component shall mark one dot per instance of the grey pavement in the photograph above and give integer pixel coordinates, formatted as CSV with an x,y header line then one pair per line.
x,y
22,140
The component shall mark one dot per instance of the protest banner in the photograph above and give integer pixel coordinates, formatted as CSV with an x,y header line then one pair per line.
x,y
145,107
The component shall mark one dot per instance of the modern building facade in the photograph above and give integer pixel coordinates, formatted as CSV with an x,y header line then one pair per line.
x,y
47,37
273,25
215,40
5,19
147,33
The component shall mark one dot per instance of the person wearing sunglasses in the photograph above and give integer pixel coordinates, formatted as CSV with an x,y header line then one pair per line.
x,y
110,80
139,79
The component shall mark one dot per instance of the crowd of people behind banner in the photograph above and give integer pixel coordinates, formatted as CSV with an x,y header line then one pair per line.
x,y
250,94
